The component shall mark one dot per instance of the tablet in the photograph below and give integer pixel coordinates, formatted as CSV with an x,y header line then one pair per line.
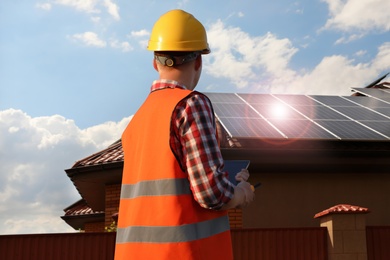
x,y
232,167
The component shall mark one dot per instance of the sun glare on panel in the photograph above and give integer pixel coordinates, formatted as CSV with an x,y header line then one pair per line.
x,y
279,111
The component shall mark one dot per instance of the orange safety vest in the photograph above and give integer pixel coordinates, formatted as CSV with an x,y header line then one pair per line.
x,y
158,216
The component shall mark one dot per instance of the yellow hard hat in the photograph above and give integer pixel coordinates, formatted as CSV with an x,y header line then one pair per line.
x,y
179,31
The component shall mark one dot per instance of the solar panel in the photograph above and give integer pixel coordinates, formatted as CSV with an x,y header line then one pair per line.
x,y
380,94
382,127
224,98
301,116
234,110
320,112
297,100
304,129
277,110
258,98
367,102
383,110
334,101
250,128
350,130
359,113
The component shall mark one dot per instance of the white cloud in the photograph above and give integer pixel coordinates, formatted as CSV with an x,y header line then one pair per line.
x,y
36,224
346,15
92,6
88,6
333,75
93,40
350,38
241,58
112,9
44,6
336,75
89,39
34,152
261,64
140,33
124,46
143,44
381,61
360,53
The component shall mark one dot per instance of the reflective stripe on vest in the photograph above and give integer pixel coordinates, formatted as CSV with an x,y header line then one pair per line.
x,y
156,188
173,234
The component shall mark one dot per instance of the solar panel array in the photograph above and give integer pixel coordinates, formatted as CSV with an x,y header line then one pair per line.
x,y
304,117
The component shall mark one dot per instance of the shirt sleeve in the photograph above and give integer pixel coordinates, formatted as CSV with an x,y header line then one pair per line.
x,y
194,142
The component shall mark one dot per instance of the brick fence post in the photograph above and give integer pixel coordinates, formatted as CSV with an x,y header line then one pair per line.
x,y
346,226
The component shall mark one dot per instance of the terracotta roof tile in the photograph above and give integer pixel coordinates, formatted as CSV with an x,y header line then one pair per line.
x,y
342,208
80,208
111,154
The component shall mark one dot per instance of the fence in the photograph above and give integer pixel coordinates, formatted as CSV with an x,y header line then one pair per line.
x,y
66,246
283,244
378,243
248,244
269,244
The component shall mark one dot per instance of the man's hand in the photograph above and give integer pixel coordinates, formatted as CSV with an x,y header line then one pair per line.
x,y
243,175
249,195
243,195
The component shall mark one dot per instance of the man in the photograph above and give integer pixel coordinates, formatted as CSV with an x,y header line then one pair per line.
x,y
174,193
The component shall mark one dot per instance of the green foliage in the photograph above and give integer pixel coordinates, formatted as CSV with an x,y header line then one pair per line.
x,y
111,227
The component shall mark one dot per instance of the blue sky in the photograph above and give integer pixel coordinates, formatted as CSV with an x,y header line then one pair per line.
x,y
72,72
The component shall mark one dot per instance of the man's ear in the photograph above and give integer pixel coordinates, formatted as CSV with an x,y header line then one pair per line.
x,y
198,62
155,65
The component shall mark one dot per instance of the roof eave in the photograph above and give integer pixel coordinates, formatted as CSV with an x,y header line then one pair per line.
x,y
302,158
78,221
90,181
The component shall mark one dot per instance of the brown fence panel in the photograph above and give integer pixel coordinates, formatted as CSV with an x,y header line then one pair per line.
x,y
248,244
65,246
280,244
378,243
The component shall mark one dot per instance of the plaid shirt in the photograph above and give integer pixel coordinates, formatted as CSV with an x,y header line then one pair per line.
x,y
194,142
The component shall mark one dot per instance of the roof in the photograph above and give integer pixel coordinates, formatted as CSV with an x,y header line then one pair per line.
x,y
79,213
374,127
80,208
91,174
305,117
342,209
308,145
319,149
111,154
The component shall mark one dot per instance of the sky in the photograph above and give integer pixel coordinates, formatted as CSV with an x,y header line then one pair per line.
x,y
73,72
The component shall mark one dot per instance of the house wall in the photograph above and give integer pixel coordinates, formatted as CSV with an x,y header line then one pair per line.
x,y
292,199
111,202
112,206
112,194
235,218
94,227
